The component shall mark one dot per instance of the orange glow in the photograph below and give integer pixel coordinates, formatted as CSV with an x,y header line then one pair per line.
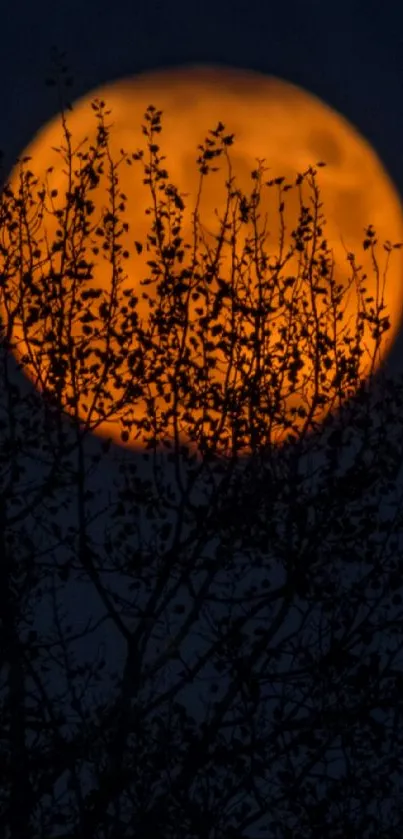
x,y
271,120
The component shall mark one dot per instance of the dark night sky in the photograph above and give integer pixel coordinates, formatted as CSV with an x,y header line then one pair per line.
x,y
348,53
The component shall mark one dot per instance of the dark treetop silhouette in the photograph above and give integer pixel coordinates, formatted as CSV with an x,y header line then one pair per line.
x,y
253,591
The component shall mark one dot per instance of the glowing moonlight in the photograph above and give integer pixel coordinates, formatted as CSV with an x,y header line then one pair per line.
x,y
272,121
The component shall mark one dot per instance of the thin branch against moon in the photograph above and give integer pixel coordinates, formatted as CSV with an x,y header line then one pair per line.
x,y
265,120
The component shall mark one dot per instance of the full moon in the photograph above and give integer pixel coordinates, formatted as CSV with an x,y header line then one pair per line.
x,y
272,121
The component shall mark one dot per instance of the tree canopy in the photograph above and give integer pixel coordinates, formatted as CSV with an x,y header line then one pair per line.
x,y
210,645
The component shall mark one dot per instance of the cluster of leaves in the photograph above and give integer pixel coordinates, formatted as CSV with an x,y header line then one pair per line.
x,y
238,348
256,597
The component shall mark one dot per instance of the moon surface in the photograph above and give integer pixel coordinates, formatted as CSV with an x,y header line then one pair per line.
x,y
272,121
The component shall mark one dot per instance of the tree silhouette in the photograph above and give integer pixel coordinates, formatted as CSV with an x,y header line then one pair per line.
x,y
253,588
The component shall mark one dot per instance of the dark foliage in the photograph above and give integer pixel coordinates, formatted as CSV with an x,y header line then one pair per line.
x,y
249,590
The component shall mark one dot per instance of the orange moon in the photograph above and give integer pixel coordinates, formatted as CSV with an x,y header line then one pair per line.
x,y
272,120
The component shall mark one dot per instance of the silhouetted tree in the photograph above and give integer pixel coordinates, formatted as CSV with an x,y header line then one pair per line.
x,y
252,589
